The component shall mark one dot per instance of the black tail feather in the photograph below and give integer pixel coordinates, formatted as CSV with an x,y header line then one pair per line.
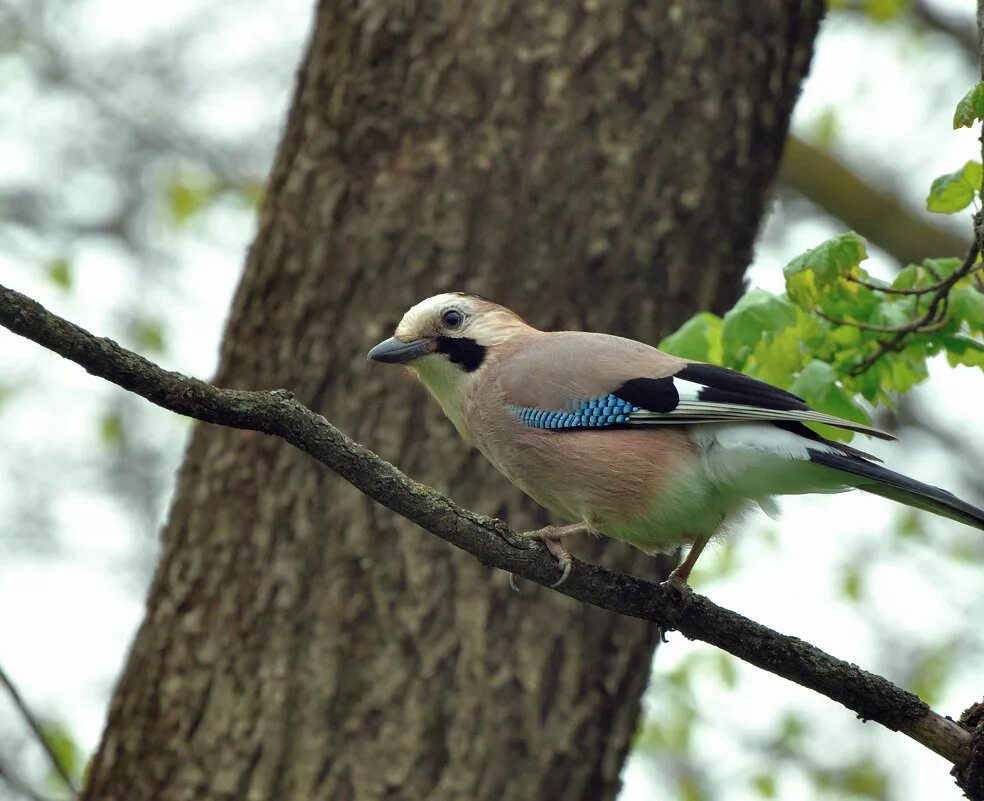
x,y
879,480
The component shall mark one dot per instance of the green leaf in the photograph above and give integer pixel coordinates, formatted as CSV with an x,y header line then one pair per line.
x,y
905,369
149,335
811,271
699,338
965,549
954,191
851,583
929,272
792,730
845,338
944,268
59,272
689,788
931,673
777,359
111,428
756,314
187,194
817,385
63,745
765,785
967,305
973,173
6,393
892,312
866,779
911,524
970,108
908,277
825,127
885,10
727,670
964,350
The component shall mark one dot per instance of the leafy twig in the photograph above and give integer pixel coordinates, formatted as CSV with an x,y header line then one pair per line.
x,y
931,320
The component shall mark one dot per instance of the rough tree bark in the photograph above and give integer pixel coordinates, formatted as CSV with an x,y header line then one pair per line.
x,y
600,165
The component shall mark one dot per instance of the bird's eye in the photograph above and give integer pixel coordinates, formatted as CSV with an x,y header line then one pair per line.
x,y
452,318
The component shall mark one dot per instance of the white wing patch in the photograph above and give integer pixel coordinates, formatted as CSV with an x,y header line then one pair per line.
x,y
688,391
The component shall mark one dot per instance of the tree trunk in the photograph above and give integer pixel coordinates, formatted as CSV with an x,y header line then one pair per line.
x,y
597,165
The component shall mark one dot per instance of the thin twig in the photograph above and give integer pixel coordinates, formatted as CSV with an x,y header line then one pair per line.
x,y
491,541
35,727
923,290
18,785
933,319
881,329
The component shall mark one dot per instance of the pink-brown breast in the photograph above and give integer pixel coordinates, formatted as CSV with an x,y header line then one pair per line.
x,y
606,478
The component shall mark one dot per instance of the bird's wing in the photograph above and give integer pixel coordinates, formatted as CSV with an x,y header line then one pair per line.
x,y
579,380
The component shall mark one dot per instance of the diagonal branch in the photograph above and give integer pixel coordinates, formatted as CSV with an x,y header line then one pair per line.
x,y
36,728
874,212
491,541
18,786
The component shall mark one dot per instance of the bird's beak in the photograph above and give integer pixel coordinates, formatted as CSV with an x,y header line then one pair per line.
x,y
394,351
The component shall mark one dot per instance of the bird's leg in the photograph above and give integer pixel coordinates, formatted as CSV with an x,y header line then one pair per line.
x,y
681,573
553,538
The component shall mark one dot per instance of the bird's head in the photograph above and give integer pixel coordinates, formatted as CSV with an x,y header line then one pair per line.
x,y
452,329
447,340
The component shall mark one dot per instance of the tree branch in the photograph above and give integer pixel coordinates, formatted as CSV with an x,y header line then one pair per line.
x,y
491,541
35,726
936,20
17,785
924,15
877,215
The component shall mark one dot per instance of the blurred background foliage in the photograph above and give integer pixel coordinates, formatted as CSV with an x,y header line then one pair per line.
x,y
135,141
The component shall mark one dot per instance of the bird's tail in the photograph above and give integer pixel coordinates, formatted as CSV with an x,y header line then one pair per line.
x,y
881,481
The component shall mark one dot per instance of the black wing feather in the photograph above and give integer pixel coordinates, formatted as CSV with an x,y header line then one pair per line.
x,y
722,385
706,393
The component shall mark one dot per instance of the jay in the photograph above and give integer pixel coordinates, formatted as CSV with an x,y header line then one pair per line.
x,y
616,437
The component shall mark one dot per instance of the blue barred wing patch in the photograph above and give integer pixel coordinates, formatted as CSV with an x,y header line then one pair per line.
x,y
608,410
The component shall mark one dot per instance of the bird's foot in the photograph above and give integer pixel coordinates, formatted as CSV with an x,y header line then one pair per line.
x,y
677,580
553,538
678,583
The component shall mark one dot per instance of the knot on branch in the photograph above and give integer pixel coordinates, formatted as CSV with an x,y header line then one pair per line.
x,y
970,776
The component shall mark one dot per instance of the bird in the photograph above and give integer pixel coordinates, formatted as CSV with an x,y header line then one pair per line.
x,y
615,437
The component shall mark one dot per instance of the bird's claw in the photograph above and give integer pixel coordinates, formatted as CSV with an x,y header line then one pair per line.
x,y
553,539
564,563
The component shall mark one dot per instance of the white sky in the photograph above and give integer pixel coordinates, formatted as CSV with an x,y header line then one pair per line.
x,y
66,620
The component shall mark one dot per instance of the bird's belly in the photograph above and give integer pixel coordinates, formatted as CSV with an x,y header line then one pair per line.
x,y
647,488
684,511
